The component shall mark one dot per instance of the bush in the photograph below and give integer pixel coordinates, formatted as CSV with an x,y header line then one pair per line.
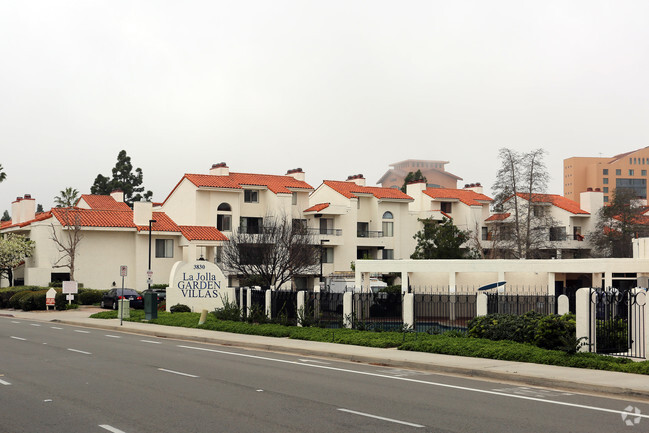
x,y
180,308
14,301
229,311
90,296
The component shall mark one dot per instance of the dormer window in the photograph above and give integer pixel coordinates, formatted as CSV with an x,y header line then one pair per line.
x,y
250,196
446,206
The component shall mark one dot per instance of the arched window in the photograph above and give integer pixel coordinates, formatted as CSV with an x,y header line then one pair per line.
x,y
387,215
224,217
388,226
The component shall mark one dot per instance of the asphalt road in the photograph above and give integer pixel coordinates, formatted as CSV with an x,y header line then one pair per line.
x,y
58,378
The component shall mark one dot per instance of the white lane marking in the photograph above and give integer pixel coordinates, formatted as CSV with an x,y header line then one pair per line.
x,y
47,401
83,332
4,382
111,428
113,336
18,338
407,379
316,361
13,321
177,372
55,327
260,390
79,351
150,341
35,324
382,418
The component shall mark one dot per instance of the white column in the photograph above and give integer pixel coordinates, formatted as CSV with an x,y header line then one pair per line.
x,y
583,306
269,301
501,277
347,309
646,328
551,282
597,279
408,310
301,305
481,304
563,306
638,323
452,298
249,301
608,279
404,282
366,282
229,295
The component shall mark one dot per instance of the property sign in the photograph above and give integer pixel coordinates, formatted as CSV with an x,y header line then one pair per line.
x,y
50,297
70,287
196,284
123,270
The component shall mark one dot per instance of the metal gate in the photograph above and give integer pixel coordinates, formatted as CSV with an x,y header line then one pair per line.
x,y
617,322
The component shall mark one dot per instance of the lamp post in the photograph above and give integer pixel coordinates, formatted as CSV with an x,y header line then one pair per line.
x,y
322,241
148,279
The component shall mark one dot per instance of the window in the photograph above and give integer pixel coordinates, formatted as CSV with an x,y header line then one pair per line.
x,y
445,207
538,211
631,172
299,226
387,215
251,225
605,199
326,226
557,233
639,186
327,255
485,233
224,217
605,172
606,189
605,180
251,196
294,198
164,248
618,171
388,254
363,230
643,172
388,229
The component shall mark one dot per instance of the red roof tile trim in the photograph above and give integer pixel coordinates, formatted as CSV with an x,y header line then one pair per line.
x,y
105,202
468,197
163,224
202,233
556,200
317,208
350,189
275,183
498,217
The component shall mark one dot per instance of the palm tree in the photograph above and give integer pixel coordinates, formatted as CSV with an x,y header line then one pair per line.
x,y
3,175
67,198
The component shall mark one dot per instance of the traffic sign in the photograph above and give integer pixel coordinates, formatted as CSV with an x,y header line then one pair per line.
x,y
123,270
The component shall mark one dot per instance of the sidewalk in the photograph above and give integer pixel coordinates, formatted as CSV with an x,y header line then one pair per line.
x,y
574,379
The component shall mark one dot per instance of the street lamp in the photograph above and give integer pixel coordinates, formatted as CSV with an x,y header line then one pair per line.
x,y
149,273
322,241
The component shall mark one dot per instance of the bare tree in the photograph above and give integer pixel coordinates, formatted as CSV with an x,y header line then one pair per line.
x,y
68,241
273,253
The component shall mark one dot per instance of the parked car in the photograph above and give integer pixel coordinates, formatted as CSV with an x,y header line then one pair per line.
x,y
162,294
109,299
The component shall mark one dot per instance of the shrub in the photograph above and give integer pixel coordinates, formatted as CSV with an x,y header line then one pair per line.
x,y
90,296
180,308
256,314
229,311
14,301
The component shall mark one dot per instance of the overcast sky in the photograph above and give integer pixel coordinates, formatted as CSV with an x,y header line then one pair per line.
x,y
333,87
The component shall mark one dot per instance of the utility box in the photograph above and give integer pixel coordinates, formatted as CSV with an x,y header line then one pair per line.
x,y
124,308
150,305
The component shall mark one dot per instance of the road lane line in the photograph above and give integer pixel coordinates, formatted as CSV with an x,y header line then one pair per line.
x,y
150,341
111,428
316,361
112,336
422,382
4,382
55,327
177,372
35,324
18,338
13,321
79,351
83,332
382,418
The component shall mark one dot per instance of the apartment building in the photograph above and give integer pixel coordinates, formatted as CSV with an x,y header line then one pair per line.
x,y
626,170
434,171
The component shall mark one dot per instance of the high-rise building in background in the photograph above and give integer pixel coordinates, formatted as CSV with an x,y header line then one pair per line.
x,y
436,175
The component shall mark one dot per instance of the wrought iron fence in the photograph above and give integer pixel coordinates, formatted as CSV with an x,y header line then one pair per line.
x,y
284,306
327,309
439,312
380,310
507,303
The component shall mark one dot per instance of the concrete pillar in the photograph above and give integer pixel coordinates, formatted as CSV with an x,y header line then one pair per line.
x,y
646,327
608,279
301,306
366,283
639,323
481,304
347,309
404,282
551,282
452,297
229,295
269,301
501,277
583,307
408,310
597,279
249,301
563,306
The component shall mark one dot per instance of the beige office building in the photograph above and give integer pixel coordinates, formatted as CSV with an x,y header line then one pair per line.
x,y
626,170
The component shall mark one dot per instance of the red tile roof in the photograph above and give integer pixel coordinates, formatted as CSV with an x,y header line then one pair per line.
x,y
350,189
317,208
93,217
498,217
163,224
468,197
203,233
275,183
556,200
104,202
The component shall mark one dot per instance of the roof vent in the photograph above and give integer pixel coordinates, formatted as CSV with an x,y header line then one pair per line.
x,y
220,169
589,189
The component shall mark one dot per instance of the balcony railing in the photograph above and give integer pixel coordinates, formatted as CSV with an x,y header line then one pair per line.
x,y
330,232
369,234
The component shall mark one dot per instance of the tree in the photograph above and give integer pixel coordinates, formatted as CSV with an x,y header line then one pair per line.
x,y
39,208
520,180
13,250
412,177
123,179
3,175
440,240
617,224
272,254
5,216
68,240
67,198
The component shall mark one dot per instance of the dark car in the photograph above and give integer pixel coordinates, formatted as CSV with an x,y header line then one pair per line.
x,y
109,300
162,294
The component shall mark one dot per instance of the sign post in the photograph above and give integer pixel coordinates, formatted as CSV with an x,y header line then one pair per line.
x,y
70,288
123,271
50,299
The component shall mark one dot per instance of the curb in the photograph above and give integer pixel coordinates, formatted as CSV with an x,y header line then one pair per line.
x,y
511,377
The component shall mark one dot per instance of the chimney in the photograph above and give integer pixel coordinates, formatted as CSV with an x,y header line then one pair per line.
x,y
475,187
358,179
23,209
297,174
591,201
142,213
117,195
220,169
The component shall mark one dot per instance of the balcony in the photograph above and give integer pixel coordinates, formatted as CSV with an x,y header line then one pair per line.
x,y
369,234
327,232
